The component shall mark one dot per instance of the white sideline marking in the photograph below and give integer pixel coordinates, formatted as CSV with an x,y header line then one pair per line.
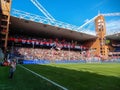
x,y
44,78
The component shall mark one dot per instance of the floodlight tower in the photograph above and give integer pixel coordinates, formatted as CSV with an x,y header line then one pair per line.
x,y
5,6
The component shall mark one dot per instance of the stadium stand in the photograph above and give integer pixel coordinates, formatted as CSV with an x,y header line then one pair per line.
x,y
117,49
50,55
42,50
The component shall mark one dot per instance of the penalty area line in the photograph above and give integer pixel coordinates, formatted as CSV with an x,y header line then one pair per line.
x,y
54,83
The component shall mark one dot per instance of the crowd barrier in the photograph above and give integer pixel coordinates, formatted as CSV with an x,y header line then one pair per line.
x,y
36,61
70,61
48,61
66,61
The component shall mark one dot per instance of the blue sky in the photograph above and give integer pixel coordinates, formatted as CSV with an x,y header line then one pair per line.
x,y
71,11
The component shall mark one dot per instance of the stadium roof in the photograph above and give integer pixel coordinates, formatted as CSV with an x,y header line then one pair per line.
x,y
27,26
115,36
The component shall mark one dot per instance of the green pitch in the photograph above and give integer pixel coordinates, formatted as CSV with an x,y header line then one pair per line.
x,y
71,76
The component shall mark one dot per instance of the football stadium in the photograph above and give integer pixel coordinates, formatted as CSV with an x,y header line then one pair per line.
x,y
54,55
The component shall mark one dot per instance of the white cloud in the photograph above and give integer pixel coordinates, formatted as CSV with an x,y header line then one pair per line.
x,y
113,26
86,20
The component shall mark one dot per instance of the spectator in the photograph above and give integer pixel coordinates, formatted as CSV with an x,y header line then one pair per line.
x,y
12,68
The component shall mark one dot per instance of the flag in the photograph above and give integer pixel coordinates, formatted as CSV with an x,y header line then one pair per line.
x,y
59,46
23,41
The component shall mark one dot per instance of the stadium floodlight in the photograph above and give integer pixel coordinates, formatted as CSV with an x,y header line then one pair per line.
x,y
42,9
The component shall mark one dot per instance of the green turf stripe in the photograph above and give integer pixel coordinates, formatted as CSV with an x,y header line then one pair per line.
x,y
44,78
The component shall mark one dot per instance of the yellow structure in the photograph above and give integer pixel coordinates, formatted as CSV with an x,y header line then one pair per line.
x,y
100,43
98,46
5,6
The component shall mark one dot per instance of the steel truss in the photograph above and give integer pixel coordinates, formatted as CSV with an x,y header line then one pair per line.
x,y
44,20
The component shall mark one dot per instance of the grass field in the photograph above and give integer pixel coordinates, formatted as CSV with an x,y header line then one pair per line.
x,y
72,76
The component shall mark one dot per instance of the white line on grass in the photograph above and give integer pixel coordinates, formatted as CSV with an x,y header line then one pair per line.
x,y
44,78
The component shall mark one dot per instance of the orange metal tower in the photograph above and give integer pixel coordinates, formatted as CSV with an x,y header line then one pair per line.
x,y
101,32
5,6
